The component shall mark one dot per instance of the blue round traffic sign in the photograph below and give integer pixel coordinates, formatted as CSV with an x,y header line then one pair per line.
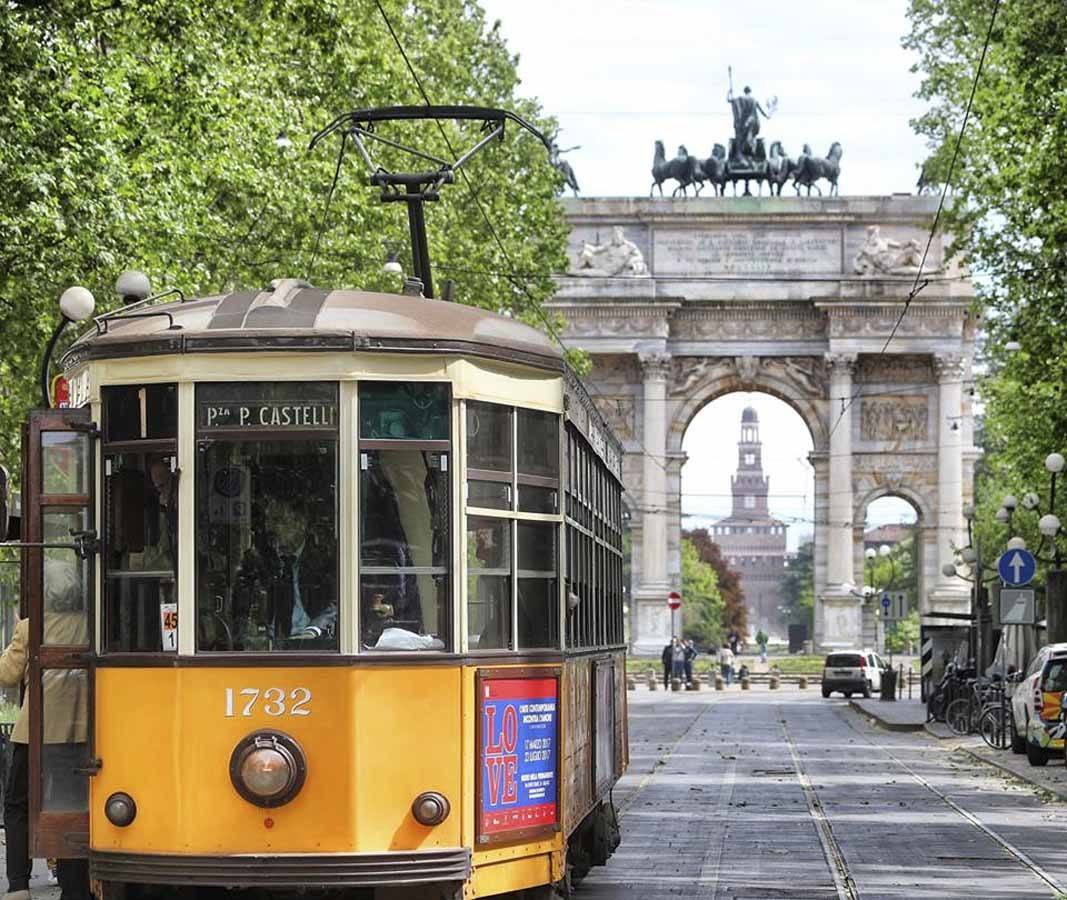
x,y
1017,567
886,601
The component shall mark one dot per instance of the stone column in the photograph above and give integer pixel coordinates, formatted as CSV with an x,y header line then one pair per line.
x,y
951,531
839,575
841,619
650,596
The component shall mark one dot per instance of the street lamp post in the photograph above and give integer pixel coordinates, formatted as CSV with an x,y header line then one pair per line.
x,y
871,590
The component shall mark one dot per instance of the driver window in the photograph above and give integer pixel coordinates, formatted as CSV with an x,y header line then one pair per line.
x,y
404,537
267,520
140,518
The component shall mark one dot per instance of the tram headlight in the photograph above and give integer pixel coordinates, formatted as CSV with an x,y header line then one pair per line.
x,y
120,809
268,768
430,808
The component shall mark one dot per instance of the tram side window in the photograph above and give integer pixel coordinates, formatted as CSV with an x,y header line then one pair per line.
x,y
405,546
267,520
140,536
512,559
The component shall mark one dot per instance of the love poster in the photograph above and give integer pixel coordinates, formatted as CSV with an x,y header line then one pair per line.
x,y
518,755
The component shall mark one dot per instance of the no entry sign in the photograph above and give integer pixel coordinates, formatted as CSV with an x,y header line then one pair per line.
x,y
674,600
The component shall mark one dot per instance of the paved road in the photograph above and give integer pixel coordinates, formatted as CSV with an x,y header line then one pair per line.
x,y
785,795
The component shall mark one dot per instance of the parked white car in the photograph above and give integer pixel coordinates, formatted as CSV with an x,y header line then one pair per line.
x,y
853,672
1037,728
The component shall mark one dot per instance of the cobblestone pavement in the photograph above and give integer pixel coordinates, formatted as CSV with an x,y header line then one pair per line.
x,y
739,796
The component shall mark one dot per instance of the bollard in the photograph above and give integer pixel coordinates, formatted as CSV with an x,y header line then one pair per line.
x,y
718,683
694,685
744,683
773,683
676,684
802,683
653,683
631,683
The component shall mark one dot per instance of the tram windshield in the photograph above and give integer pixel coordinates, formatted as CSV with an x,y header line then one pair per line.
x,y
267,535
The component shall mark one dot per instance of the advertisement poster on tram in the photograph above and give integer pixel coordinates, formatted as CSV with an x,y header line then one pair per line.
x,y
518,755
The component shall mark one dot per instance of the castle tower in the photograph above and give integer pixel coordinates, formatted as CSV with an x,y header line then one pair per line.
x,y
752,542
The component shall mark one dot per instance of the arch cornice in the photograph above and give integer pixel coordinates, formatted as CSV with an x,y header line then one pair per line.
x,y
920,504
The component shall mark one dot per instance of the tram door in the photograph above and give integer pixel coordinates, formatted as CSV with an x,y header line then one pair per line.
x,y
58,513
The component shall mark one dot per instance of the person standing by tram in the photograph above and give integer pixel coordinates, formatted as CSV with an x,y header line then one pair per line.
x,y
66,697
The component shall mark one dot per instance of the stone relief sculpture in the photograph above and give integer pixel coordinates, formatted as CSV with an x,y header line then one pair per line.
x,y
617,257
881,256
902,418
689,372
620,413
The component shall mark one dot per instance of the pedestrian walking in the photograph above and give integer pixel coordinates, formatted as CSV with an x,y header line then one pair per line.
x,y
761,640
667,658
690,655
726,664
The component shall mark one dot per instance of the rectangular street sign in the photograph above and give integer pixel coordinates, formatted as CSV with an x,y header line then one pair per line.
x,y
1017,607
897,608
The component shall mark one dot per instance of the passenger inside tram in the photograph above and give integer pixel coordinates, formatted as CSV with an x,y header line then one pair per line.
x,y
286,586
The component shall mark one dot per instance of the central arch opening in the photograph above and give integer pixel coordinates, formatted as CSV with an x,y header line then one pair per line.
x,y
748,510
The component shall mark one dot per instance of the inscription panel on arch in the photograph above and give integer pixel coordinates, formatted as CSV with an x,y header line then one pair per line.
x,y
751,251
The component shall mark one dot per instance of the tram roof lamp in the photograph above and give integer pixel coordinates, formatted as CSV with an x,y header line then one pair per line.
x,y
1017,543
1048,525
1003,515
885,550
948,570
77,304
1031,500
133,286
1054,462
392,265
1009,502
968,555
870,553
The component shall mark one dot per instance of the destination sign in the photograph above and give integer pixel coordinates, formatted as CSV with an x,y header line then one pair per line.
x,y
268,416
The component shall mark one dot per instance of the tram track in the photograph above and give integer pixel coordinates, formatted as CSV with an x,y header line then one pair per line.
x,y
1020,856
844,884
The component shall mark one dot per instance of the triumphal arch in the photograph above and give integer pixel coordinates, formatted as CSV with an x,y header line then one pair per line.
x,y
681,301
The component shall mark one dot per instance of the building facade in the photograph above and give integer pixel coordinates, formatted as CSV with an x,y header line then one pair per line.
x,y
751,540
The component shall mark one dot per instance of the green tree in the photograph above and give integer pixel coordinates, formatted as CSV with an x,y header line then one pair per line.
x,y
142,136
702,603
735,613
798,587
903,635
1007,217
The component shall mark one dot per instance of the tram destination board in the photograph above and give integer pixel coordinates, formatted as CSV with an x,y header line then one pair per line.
x,y
518,754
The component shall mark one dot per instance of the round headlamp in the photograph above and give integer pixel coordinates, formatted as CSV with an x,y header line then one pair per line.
x,y
120,809
268,768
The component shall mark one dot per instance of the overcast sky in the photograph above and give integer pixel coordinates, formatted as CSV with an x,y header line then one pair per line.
x,y
619,75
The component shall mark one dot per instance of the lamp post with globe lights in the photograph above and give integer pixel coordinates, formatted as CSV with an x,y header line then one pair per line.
x,y
872,590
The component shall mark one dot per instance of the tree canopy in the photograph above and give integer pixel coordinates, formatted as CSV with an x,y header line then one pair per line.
x,y
735,613
1008,217
702,603
143,136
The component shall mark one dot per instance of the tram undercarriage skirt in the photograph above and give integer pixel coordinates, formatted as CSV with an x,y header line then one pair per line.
x,y
284,870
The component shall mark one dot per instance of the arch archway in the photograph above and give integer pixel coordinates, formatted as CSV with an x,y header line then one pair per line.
x,y
748,481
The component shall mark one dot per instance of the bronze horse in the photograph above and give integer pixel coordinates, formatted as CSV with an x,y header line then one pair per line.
x,y
714,169
684,169
779,168
810,169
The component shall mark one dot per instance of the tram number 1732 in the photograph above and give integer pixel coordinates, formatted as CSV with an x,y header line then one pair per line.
x,y
274,701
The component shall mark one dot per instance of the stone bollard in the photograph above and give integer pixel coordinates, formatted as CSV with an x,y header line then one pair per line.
x,y
745,683
773,683
718,683
676,684
802,683
631,683
653,682
694,685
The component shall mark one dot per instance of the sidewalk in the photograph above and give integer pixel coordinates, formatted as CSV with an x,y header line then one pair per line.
x,y
894,715
1051,778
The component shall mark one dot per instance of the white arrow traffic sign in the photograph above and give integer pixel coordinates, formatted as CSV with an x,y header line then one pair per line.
x,y
1017,567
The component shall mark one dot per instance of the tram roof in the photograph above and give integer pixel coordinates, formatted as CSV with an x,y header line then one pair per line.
x,y
292,315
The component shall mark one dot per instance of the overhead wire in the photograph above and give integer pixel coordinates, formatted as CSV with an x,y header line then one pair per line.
x,y
918,285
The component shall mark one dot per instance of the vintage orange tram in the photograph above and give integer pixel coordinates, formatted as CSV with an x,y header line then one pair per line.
x,y
345,573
